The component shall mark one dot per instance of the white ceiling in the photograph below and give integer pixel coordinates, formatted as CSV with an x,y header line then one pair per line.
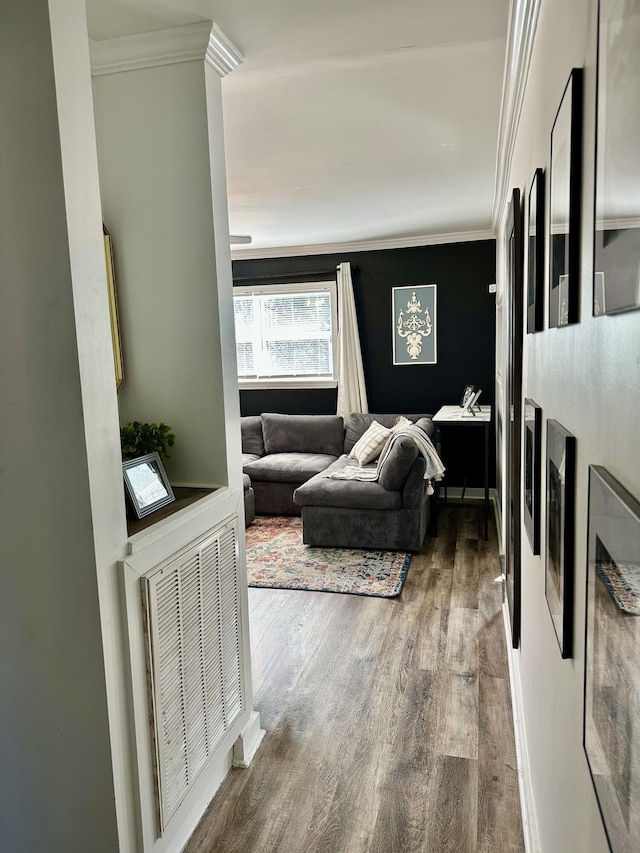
x,y
350,121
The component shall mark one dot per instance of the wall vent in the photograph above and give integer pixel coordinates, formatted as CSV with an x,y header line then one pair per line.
x,y
190,608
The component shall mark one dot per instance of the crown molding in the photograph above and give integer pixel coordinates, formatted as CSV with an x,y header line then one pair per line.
x,y
221,53
360,246
523,19
165,47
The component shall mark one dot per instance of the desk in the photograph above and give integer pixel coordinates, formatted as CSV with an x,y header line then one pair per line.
x,y
482,418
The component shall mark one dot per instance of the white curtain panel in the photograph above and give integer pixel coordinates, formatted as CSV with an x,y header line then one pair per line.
x,y
352,393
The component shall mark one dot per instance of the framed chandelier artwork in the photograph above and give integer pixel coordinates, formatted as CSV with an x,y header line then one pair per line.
x,y
414,324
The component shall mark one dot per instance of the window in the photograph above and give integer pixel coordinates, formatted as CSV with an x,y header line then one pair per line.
x,y
285,335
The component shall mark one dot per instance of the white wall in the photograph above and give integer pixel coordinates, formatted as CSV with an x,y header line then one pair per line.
x,y
153,148
58,516
586,377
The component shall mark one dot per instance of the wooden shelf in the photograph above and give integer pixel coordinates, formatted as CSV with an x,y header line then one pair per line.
x,y
184,498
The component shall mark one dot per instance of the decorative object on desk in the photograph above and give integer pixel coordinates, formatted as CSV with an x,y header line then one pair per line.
x,y
146,484
532,465
617,209
116,341
467,394
611,697
277,559
564,215
535,260
414,321
472,403
138,439
561,467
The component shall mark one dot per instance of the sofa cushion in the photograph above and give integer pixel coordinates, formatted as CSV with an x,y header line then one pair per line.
x,y
349,494
248,458
368,446
426,425
251,430
357,424
322,434
246,482
288,467
397,463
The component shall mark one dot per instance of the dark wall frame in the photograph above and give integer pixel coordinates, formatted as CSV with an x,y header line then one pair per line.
x,y
616,263
514,291
532,422
535,254
564,233
612,649
560,532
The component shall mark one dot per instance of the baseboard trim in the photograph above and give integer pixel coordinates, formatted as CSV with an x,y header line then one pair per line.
x,y
527,805
245,748
473,493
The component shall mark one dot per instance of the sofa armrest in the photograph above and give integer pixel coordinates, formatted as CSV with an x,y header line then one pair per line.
x,y
415,485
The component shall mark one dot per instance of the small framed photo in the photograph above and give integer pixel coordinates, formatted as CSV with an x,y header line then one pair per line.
x,y
535,259
532,465
611,730
564,210
146,484
561,468
471,402
467,394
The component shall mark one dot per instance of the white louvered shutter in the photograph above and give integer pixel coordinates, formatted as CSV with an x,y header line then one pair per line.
x,y
193,644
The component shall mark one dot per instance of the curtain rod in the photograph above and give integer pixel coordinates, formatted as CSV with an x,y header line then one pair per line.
x,y
298,275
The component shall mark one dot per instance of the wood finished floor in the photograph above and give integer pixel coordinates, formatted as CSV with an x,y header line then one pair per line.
x,y
389,726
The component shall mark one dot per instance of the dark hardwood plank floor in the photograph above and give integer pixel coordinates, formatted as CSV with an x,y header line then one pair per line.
x,y
389,726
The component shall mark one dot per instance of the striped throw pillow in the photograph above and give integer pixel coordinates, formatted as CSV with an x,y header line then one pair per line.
x,y
370,444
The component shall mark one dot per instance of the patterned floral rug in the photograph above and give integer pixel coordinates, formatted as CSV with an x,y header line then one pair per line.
x,y
276,558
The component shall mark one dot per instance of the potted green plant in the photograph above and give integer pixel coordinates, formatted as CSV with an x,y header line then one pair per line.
x,y
138,439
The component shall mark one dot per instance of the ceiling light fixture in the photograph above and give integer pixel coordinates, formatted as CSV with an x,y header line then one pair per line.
x,y
239,238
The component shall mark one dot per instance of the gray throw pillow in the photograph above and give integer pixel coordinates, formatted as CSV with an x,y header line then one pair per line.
x,y
303,433
397,464
251,429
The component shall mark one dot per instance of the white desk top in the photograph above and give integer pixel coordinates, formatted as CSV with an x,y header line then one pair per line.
x,y
453,414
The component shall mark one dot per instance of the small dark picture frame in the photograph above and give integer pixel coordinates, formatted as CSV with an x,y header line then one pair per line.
x,y
616,280
564,206
535,259
558,586
146,484
468,392
611,699
532,421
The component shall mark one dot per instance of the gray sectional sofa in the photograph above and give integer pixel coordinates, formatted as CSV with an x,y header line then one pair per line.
x,y
288,458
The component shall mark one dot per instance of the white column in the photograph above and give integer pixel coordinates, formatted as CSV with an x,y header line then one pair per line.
x,y
57,786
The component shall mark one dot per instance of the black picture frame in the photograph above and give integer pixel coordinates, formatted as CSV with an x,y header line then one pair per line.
x,y
616,262
559,529
535,254
514,291
611,722
532,421
565,182
146,484
469,391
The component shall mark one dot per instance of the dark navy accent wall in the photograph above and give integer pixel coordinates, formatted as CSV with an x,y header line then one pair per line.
x,y
465,338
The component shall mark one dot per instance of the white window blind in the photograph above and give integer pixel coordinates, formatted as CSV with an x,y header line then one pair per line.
x,y
285,333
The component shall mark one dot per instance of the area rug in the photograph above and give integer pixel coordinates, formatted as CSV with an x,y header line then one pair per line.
x,y
276,558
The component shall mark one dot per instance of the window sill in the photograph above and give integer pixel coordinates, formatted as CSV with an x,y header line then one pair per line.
x,y
279,384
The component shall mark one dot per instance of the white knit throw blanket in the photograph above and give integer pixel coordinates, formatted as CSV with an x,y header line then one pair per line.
x,y
434,469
